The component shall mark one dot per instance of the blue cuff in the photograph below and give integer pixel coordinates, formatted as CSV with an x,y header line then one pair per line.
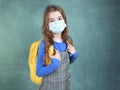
x,y
56,62
75,55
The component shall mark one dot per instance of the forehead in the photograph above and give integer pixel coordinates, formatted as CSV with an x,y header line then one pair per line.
x,y
55,14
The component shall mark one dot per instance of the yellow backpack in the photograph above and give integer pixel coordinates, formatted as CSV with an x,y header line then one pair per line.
x,y
33,53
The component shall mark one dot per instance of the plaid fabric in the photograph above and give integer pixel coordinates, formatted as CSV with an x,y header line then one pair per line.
x,y
60,78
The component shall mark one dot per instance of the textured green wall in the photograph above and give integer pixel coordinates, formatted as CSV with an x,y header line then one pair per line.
x,y
94,26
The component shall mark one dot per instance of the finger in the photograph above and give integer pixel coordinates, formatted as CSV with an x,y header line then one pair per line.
x,y
68,50
50,56
68,46
56,51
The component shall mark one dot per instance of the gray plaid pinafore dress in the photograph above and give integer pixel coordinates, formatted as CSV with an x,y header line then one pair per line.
x,y
60,78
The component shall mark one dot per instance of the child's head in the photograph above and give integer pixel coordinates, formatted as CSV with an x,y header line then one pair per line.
x,y
51,9
53,13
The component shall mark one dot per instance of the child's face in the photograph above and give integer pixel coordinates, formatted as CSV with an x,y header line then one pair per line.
x,y
55,16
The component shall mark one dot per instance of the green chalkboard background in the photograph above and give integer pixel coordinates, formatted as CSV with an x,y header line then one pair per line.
x,y
94,26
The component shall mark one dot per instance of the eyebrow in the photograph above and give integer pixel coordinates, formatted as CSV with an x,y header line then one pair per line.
x,y
57,17
51,18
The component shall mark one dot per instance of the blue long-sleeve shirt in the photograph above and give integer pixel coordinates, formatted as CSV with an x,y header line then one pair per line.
x,y
41,68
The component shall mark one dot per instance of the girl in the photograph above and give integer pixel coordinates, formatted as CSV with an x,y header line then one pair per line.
x,y
56,75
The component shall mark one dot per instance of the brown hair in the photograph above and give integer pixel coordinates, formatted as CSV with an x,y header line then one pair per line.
x,y
48,35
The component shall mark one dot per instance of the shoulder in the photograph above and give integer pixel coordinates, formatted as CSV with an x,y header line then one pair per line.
x,y
41,45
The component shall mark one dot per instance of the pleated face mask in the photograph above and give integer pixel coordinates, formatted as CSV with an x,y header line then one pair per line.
x,y
57,26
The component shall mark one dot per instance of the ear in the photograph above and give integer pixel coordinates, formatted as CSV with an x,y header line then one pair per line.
x,y
47,26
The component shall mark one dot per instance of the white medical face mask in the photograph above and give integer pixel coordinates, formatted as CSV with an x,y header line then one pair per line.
x,y
57,26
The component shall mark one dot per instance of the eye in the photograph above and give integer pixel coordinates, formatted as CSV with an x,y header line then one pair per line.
x,y
60,18
51,20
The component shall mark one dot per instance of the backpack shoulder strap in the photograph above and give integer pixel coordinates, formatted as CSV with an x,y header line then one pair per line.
x,y
34,49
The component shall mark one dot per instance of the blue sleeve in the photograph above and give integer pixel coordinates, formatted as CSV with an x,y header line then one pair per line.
x,y
73,57
41,68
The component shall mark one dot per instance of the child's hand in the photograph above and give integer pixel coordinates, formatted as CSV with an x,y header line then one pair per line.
x,y
56,55
71,49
